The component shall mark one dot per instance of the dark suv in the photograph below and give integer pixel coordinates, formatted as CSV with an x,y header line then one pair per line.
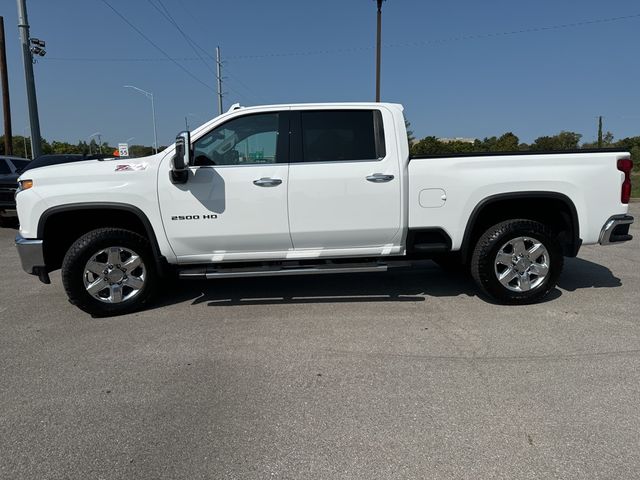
x,y
10,168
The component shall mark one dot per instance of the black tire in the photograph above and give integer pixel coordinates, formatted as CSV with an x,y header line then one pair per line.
x,y
485,254
73,270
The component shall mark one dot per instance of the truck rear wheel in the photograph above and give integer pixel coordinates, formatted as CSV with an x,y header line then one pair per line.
x,y
109,271
517,262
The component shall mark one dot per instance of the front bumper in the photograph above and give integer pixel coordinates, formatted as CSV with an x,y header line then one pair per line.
x,y
616,230
32,257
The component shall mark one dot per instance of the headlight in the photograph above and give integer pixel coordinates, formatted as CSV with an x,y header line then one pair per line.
x,y
24,185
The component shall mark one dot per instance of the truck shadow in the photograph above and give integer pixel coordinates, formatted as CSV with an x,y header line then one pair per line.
x,y
402,285
579,273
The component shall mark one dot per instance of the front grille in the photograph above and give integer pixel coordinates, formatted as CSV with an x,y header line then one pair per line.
x,y
7,194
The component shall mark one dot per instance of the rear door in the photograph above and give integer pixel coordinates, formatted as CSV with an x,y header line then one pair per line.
x,y
344,179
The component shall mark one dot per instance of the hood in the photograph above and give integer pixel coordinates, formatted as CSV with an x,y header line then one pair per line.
x,y
48,160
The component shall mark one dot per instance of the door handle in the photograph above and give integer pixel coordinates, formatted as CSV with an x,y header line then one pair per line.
x,y
380,178
267,182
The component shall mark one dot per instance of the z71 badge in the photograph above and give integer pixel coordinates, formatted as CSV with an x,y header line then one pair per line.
x,y
131,167
194,217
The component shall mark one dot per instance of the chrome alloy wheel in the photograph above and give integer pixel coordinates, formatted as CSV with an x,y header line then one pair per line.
x,y
522,264
114,275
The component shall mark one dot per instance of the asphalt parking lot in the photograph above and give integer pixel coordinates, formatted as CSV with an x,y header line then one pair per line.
x,y
391,375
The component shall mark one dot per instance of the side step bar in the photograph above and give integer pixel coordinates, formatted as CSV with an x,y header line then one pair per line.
x,y
209,272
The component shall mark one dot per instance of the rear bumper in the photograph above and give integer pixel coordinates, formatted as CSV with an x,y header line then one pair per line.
x,y
616,230
32,256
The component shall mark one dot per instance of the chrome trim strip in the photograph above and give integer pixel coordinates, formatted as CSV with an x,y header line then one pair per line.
x,y
610,225
295,271
267,272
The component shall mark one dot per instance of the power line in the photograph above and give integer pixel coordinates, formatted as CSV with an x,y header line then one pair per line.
x,y
352,49
192,43
517,32
174,61
167,15
254,95
120,59
439,41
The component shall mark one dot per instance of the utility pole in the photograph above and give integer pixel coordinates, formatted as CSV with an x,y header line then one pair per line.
x,y
378,48
27,58
6,104
219,78
600,131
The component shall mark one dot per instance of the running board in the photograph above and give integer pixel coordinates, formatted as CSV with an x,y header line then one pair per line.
x,y
209,272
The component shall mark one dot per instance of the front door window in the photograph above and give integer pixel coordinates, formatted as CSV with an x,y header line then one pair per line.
x,y
246,140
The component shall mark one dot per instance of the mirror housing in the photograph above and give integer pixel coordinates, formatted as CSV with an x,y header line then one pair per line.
x,y
182,158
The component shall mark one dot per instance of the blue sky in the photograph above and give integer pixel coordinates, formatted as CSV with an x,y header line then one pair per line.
x,y
440,59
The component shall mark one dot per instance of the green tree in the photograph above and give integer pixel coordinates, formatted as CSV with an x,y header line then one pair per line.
x,y
600,132
562,141
635,156
487,144
428,146
410,138
507,143
459,147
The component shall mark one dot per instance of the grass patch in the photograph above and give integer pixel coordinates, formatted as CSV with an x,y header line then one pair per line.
x,y
635,185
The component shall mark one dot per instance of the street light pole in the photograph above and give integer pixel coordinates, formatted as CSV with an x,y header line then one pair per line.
x,y
27,58
378,48
186,121
153,112
99,135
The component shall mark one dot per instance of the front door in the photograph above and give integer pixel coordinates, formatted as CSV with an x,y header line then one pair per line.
x,y
234,203
344,181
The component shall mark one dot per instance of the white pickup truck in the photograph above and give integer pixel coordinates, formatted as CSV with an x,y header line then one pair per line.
x,y
308,189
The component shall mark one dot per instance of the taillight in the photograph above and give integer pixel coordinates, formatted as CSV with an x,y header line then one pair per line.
x,y
625,165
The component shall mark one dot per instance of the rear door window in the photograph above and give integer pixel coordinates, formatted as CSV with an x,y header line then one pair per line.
x,y
341,135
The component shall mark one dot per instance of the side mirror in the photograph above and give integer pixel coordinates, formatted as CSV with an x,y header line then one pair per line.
x,y
182,158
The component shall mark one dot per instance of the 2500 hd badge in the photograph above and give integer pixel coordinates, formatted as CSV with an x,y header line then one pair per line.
x,y
210,216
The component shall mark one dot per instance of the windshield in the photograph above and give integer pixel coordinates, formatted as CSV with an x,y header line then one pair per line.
x,y
20,165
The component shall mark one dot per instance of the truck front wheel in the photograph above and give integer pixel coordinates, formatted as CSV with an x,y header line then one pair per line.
x,y
109,271
517,262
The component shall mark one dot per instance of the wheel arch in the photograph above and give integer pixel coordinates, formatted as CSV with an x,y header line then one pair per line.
x,y
70,221
560,214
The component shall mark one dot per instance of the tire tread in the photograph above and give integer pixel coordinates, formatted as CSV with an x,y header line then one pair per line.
x,y
482,263
78,296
